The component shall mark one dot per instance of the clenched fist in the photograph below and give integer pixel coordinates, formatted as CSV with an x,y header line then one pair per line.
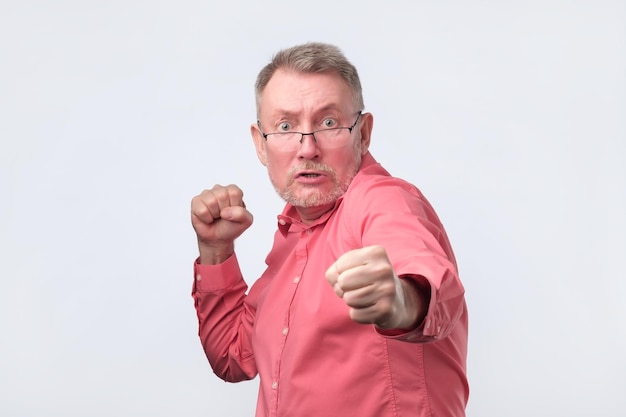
x,y
368,284
219,216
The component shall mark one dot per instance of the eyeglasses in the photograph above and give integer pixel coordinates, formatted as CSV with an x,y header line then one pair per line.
x,y
332,137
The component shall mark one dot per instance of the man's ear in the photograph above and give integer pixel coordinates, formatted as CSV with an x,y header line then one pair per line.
x,y
259,143
367,124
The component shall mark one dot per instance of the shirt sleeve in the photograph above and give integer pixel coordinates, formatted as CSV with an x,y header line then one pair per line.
x,y
395,215
225,319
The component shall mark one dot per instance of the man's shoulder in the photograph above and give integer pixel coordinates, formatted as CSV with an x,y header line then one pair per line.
x,y
375,179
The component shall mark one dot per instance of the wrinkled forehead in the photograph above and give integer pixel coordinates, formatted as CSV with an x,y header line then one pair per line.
x,y
293,91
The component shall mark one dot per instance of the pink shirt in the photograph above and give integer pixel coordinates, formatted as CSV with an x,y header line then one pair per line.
x,y
295,333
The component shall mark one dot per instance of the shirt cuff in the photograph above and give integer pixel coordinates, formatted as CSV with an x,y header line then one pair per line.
x,y
216,278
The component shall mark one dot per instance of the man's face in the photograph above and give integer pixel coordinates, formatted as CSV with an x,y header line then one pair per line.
x,y
310,175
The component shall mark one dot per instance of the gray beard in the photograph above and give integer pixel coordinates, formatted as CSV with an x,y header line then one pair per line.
x,y
315,199
318,198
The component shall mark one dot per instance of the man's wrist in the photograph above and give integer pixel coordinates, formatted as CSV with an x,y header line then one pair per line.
x,y
214,255
417,299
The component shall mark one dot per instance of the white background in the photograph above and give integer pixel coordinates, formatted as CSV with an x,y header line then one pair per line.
x,y
510,117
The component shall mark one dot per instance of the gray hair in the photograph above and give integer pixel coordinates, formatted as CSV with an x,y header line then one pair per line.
x,y
312,57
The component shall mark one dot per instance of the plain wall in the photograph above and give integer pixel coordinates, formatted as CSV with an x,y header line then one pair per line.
x,y
509,116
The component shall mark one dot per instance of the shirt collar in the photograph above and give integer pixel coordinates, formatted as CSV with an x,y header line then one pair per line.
x,y
290,217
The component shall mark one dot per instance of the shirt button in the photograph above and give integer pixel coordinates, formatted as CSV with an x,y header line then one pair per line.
x,y
274,385
282,222
198,277
285,331
296,280
308,231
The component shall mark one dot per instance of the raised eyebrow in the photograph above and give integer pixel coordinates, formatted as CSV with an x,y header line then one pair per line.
x,y
282,117
279,121
292,118
335,110
328,112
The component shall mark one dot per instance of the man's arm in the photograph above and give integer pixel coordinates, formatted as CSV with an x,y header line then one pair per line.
x,y
225,317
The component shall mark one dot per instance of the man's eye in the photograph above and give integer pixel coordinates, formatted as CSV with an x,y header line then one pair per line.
x,y
329,123
284,127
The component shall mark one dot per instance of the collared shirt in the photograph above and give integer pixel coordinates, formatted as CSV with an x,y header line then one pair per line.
x,y
292,330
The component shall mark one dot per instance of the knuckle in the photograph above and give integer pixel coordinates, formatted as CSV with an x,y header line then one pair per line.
x,y
195,203
212,190
197,207
233,189
381,270
376,250
218,192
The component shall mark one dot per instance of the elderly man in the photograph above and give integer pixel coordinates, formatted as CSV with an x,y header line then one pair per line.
x,y
360,311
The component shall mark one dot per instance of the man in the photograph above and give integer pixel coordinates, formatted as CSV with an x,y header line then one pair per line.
x,y
360,311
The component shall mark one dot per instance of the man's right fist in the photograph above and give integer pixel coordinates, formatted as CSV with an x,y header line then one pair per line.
x,y
219,216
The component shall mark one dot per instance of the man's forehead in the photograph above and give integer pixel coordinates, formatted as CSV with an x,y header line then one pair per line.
x,y
291,93
281,111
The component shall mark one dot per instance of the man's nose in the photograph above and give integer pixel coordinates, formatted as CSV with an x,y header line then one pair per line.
x,y
309,147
